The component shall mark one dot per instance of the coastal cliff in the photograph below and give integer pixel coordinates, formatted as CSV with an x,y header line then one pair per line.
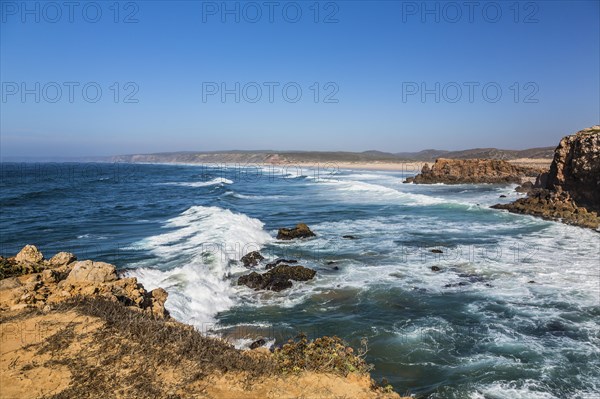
x,y
472,171
570,191
74,329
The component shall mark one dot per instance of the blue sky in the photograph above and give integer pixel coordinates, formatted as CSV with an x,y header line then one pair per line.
x,y
362,68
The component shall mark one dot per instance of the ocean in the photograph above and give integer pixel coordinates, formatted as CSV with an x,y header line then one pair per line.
x,y
513,311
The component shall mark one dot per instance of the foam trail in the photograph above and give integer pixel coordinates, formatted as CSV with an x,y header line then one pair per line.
x,y
194,260
213,182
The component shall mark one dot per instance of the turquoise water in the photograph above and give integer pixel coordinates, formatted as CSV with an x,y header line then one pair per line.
x,y
478,328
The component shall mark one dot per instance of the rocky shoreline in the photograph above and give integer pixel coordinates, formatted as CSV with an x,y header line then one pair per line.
x,y
75,329
570,191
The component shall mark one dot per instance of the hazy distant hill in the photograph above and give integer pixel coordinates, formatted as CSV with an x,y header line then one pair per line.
x,y
269,156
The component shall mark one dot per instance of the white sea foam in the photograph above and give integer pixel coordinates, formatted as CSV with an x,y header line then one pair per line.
x,y
213,182
194,259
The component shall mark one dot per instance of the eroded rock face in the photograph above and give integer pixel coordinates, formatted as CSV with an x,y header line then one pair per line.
x,y
44,283
570,191
62,258
278,278
551,205
467,171
576,168
300,231
30,254
93,272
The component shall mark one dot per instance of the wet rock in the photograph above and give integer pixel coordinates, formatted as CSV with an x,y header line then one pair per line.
x,y
252,259
258,343
29,254
525,187
278,278
331,262
435,268
253,280
437,251
278,261
502,196
300,231
350,237
531,282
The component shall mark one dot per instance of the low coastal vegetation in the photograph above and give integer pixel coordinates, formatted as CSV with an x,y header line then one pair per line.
x,y
100,335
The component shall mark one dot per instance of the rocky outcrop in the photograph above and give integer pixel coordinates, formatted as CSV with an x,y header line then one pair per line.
x,y
570,191
300,231
467,171
551,205
576,168
31,281
252,259
278,278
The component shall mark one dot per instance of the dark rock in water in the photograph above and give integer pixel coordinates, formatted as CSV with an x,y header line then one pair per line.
x,y
300,231
435,268
503,196
525,187
252,280
278,278
488,285
297,273
258,343
461,284
277,284
349,237
278,261
252,258
437,251
336,268
531,282
331,262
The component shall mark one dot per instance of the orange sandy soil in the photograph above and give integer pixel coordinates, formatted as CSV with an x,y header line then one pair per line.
x,y
66,353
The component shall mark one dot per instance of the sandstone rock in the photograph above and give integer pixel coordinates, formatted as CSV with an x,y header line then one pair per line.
x,y
95,272
49,276
576,168
29,254
252,258
463,171
300,231
62,258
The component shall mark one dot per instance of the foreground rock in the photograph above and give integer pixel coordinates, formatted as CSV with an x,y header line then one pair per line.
x,y
96,343
300,231
43,284
472,171
571,189
278,278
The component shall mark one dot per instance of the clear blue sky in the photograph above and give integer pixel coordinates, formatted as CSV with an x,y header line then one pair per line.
x,y
376,56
